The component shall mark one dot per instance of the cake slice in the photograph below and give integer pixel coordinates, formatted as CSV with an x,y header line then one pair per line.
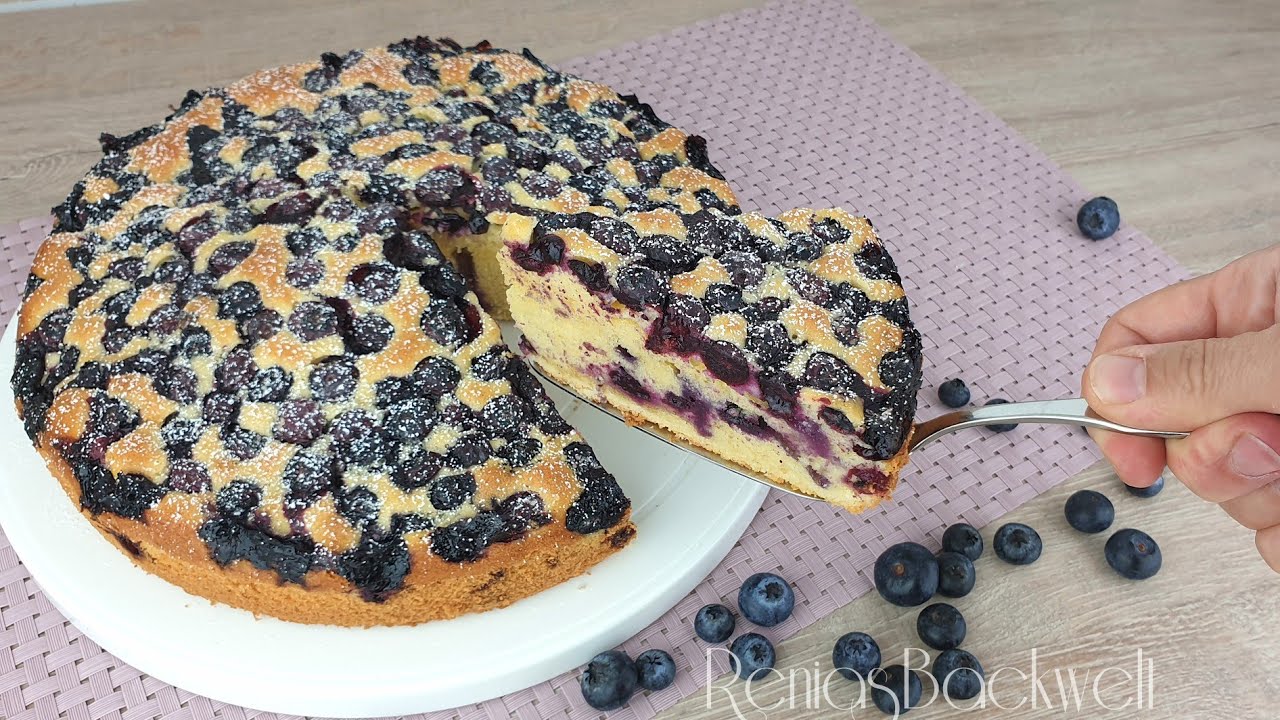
x,y
782,344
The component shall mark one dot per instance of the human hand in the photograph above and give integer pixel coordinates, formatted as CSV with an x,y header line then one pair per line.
x,y
1201,356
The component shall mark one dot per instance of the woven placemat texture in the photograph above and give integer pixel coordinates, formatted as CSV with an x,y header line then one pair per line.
x,y
803,103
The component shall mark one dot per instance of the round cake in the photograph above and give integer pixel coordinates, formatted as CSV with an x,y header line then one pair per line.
x,y
259,346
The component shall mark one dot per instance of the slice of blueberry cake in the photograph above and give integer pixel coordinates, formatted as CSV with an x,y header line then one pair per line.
x,y
245,352
782,344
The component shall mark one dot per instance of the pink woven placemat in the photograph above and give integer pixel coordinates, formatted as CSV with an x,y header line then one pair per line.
x,y
804,103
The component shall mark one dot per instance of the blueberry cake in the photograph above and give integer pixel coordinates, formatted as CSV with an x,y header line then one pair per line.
x,y
255,348
782,344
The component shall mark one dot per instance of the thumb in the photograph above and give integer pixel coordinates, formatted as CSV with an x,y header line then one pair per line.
x,y
1188,384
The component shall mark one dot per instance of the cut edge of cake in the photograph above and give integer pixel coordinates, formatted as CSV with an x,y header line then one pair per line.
x,y
599,346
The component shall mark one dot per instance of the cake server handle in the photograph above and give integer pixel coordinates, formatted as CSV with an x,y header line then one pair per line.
x,y
1075,411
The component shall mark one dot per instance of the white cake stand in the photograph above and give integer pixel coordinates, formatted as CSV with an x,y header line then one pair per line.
x,y
688,512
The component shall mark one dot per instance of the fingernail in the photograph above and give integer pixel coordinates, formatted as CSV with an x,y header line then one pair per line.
x,y
1118,379
1252,458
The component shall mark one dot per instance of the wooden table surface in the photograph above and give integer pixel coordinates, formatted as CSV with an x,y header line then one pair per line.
x,y
1170,106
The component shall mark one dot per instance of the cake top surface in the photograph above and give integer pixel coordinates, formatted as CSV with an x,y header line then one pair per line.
x,y
241,320
807,300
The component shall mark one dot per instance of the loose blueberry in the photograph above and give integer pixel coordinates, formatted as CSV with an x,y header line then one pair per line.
x,y
609,680
766,599
955,574
855,656
958,673
964,539
714,623
1017,544
1000,427
1133,554
1150,491
941,626
751,654
954,393
906,574
895,690
656,669
1099,218
1089,511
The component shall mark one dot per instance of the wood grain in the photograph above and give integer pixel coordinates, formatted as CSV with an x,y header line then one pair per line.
x,y
1172,107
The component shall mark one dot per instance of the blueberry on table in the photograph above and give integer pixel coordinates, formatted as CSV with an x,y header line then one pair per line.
x,y
1099,218
958,673
855,655
906,574
608,680
1017,544
714,623
954,393
1089,511
895,689
655,669
1146,492
941,626
955,574
999,427
750,654
964,539
1133,554
766,599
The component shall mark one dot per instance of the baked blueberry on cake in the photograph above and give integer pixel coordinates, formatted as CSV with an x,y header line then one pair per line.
x,y
782,344
250,350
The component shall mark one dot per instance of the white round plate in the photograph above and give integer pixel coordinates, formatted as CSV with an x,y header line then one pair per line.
x,y
688,513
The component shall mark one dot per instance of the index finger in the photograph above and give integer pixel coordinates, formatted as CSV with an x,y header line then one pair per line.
x,y
1238,298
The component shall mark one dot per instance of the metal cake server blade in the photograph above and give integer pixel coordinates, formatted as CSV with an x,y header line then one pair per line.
x,y
1074,411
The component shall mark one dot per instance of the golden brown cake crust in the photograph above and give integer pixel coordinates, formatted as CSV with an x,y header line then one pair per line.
x,y
243,352
435,590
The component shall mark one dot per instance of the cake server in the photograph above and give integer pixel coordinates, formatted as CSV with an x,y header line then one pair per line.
x,y
1073,411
